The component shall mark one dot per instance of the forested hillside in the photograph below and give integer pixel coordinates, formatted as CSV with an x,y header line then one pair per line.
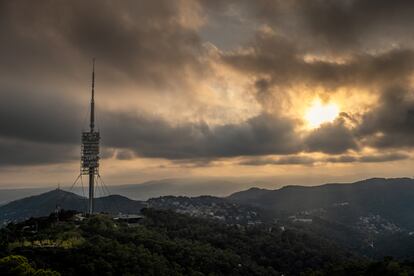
x,y
166,243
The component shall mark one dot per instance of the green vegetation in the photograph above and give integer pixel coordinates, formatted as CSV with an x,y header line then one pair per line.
x,y
19,266
167,243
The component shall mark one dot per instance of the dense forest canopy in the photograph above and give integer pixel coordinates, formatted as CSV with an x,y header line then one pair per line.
x,y
167,243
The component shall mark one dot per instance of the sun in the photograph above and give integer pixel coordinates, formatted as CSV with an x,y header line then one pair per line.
x,y
319,113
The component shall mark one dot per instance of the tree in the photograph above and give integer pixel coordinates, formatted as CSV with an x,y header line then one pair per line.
x,y
15,265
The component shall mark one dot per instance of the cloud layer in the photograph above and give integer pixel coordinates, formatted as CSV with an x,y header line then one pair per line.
x,y
168,90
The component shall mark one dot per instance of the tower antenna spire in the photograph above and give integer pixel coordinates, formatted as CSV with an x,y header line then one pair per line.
x,y
92,122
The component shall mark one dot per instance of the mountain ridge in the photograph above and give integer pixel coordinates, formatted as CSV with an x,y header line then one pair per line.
x,y
45,203
152,188
366,181
390,197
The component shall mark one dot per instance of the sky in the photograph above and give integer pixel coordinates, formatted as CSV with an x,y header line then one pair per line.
x,y
296,92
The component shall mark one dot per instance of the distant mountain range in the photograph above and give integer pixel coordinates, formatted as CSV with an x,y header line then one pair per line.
x,y
392,199
155,188
180,187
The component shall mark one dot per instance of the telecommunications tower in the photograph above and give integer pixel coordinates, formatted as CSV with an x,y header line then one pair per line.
x,y
90,149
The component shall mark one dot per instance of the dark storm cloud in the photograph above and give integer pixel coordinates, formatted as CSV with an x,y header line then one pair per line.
x,y
306,160
331,138
54,121
375,158
48,119
279,59
383,157
153,137
391,123
142,40
350,23
339,26
19,152
38,130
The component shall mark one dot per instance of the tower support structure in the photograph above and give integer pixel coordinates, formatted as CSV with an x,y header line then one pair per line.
x,y
90,149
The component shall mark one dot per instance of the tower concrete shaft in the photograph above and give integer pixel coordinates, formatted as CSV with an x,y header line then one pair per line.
x,y
91,193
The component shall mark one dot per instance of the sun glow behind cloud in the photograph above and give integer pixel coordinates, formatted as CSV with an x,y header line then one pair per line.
x,y
320,113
